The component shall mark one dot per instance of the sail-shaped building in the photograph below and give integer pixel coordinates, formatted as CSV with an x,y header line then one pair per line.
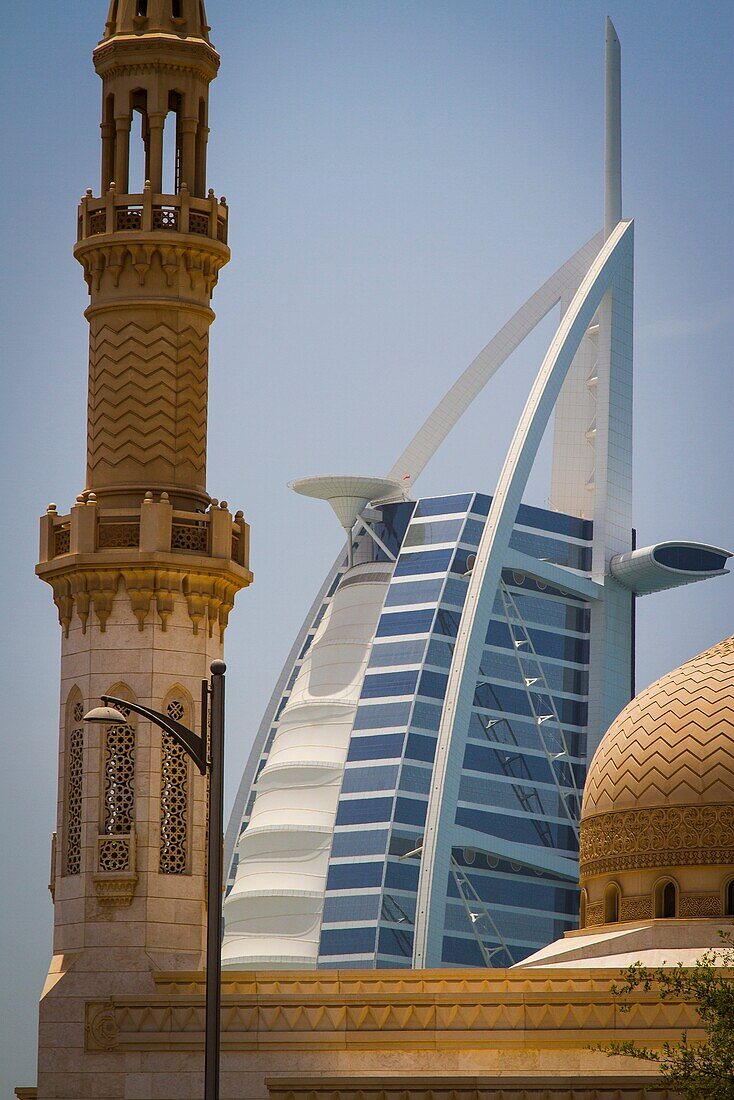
x,y
413,794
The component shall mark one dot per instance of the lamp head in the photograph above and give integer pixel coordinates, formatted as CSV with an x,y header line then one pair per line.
x,y
109,715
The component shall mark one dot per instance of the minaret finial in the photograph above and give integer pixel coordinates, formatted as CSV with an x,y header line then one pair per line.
x,y
612,131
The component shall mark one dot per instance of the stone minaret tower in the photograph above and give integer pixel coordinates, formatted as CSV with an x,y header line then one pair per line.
x,y
145,567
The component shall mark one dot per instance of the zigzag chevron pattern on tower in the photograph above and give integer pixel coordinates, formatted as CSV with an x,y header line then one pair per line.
x,y
147,400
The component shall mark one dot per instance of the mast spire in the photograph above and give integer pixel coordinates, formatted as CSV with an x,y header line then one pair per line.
x,y
612,131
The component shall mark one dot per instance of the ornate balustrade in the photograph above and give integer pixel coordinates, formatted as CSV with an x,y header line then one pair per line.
x,y
162,553
156,527
147,212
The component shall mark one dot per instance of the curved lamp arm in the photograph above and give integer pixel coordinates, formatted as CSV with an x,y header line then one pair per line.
x,y
189,741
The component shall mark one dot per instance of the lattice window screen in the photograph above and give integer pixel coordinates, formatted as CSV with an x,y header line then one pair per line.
x,y
119,780
74,776
174,799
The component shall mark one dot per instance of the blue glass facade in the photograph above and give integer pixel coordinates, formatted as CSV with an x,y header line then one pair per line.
x,y
515,787
523,766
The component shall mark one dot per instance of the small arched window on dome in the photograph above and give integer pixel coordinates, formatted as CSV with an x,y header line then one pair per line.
x,y
611,903
666,899
729,899
582,910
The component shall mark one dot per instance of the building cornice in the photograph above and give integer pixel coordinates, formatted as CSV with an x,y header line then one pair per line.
x,y
342,1010
126,54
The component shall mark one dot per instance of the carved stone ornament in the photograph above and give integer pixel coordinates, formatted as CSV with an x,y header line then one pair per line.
x,y
700,905
115,888
209,598
594,914
104,260
674,836
101,1028
637,907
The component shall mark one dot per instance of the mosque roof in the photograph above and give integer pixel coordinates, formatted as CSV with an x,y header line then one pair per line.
x,y
673,745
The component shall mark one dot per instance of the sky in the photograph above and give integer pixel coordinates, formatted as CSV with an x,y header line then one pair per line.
x,y
401,175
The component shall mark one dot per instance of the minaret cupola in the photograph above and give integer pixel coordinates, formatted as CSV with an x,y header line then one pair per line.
x,y
156,63
185,18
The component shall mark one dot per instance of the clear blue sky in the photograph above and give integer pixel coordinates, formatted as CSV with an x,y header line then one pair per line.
x,y
401,176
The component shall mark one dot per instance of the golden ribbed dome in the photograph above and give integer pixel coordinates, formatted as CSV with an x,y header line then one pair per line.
x,y
673,745
658,814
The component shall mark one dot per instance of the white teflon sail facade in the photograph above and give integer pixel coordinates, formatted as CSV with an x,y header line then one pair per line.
x,y
274,909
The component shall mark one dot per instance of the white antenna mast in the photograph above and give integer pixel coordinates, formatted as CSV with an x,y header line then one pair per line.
x,y
612,131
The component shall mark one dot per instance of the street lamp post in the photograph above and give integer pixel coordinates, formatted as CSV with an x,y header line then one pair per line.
x,y
208,755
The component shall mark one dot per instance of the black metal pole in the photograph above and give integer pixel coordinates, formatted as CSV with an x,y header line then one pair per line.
x,y
214,887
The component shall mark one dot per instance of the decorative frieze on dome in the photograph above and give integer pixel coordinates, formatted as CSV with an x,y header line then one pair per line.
x,y
676,836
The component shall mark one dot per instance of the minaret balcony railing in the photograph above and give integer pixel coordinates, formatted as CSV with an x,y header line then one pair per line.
x,y
150,213
156,527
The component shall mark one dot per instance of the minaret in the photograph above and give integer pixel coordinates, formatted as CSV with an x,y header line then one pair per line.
x,y
145,567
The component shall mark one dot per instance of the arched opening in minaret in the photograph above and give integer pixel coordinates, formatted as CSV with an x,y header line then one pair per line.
x,y
201,138
139,169
172,145
141,8
108,142
175,789
176,9
118,780
71,831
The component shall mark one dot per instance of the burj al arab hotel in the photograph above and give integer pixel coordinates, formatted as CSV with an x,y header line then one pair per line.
x,y
413,794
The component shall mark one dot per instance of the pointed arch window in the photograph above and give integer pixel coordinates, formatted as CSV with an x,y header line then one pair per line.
x,y
611,904
118,799
666,899
729,899
175,787
74,779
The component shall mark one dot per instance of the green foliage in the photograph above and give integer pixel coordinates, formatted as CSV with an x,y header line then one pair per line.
x,y
702,1070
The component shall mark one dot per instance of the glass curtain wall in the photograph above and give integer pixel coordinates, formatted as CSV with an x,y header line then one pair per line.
x,y
524,760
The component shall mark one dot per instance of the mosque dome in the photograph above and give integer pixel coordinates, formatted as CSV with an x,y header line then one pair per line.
x,y
657,823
